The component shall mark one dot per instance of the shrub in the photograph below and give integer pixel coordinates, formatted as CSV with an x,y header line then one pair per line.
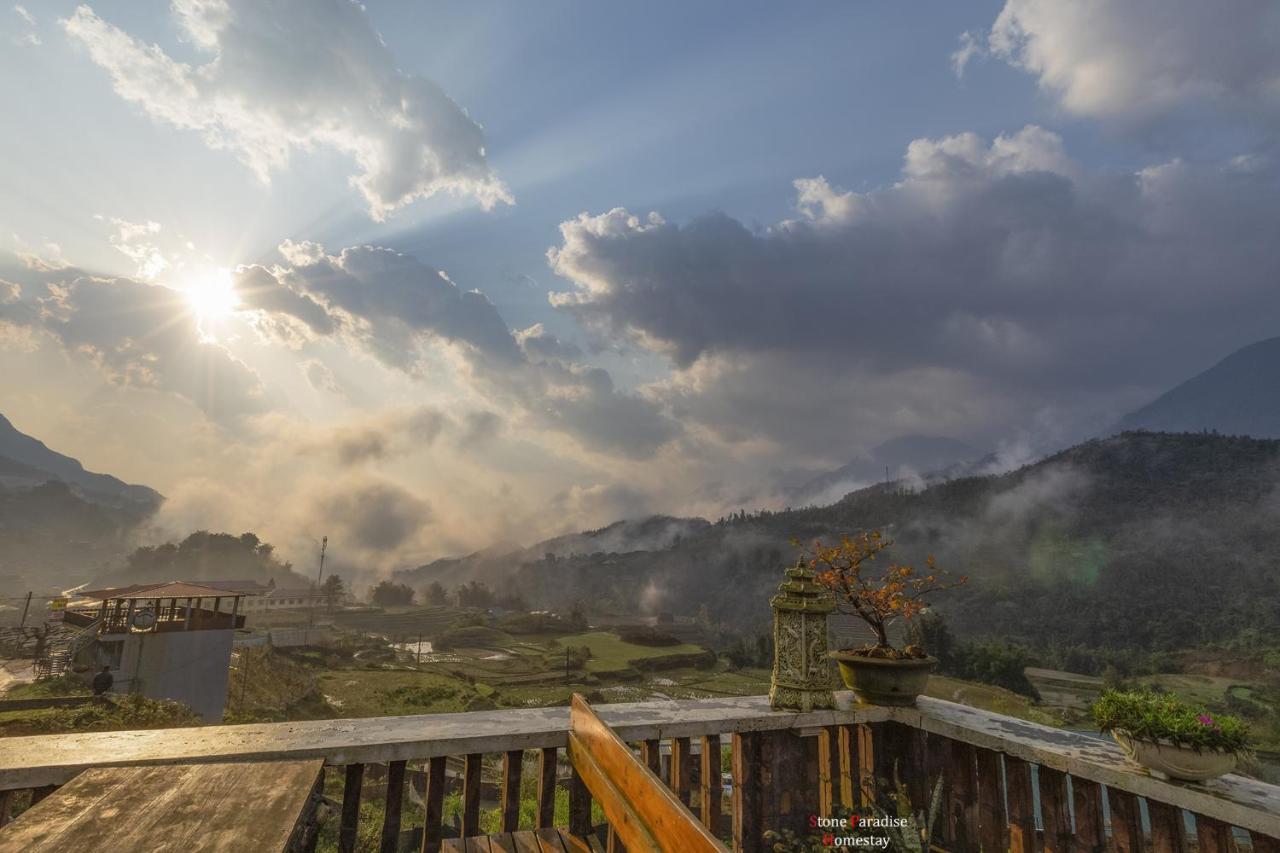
x,y
643,635
1147,715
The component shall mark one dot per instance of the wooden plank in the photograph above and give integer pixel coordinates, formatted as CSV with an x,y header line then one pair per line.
x,y
432,830
549,840
1091,832
711,795
503,842
1054,811
6,806
848,781
993,826
477,844
682,768
391,818
574,844
1264,843
471,769
613,843
828,770
526,841
962,799
547,786
38,794
579,804
454,845
1021,805
787,799
747,806
651,755
349,825
867,783
1126,822
175,809
512,765
645,813
1168,834
1214,836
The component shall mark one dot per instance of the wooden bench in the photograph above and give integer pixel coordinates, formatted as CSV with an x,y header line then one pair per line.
x,y
246,807
644,815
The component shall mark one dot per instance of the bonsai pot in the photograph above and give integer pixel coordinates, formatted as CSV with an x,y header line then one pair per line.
x,y
1167,760
884,681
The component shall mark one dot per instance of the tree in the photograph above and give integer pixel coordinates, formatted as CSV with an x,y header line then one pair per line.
x,y
333,589
475,594
436,594
390,594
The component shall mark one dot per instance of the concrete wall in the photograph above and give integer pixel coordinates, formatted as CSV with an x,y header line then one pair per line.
x,y
191,667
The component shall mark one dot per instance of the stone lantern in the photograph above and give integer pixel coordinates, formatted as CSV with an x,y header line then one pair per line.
x,y
802,678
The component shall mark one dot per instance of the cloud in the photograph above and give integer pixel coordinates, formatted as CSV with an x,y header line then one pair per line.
x,y
998,268
1145,59
400,311
140,335
294,75
372,515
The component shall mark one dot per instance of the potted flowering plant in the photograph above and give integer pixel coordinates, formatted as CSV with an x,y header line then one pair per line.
x,y
879,673
1172,739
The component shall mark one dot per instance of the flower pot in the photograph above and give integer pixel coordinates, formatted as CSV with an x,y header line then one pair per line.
x,y
884,681
1167,760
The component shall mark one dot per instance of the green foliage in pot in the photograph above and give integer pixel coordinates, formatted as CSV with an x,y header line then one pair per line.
x,y
1148,715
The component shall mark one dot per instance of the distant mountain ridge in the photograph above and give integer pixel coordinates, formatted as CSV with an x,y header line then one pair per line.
x,y
1239,395
904,456
27,461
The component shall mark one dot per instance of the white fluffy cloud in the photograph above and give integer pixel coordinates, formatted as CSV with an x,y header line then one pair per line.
x,y
1144,59
290,75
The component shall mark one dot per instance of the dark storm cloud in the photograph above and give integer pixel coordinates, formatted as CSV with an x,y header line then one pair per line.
x,y
374,514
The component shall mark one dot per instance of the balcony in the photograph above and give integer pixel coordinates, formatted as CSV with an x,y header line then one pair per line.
x,y
1007,784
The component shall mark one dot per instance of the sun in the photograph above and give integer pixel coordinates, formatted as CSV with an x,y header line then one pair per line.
x,y
212,296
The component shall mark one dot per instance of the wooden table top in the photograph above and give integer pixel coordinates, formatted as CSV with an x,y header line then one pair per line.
x,y
246,807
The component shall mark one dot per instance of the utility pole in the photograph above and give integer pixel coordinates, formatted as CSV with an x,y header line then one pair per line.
x,y
25,608
315,591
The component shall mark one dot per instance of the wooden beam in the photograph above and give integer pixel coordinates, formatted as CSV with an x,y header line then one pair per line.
x,y
1168,834
512,765
1054,811
866,753
828,770
471,769
434,805
993,826
961,791
391,817
579,805
1021,803
1091,832
547,786
1126,822
1264,843
651,755
747,806
847,739
682,768
712,792
350,823
1214,836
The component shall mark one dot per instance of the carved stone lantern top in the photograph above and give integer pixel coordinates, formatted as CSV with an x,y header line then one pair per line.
x,y
801,592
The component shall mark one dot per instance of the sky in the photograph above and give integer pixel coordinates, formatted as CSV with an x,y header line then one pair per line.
x,y
427,277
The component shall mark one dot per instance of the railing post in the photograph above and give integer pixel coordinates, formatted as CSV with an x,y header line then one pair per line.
x,y
1022,816
866,752
828,770
993,827
512,765
1091,833
711,791
747,830
1214,836
962,797
651,755
547,787
6,806
1168,834
786,797
1126,822
847,739
681,768
471,770
1054,810
579,806
1264,843
350,823
391,820
434,805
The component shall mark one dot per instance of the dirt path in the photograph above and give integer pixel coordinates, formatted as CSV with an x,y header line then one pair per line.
x,y
13,673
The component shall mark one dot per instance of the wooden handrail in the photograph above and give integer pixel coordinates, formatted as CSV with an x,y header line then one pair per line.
x,y
646,815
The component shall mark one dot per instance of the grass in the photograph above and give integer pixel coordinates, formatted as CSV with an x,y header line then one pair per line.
x,y
610,653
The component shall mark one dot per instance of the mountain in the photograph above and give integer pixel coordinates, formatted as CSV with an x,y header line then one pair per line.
x,y
1137,544
493,565
898,458
26,461
1239,395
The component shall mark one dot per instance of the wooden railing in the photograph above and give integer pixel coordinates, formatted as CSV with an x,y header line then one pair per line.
x,y
1007,784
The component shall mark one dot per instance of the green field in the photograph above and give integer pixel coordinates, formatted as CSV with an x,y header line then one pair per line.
x,y
610,653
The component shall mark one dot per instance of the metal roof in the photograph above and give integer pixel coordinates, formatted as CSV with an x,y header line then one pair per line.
x,y
169,589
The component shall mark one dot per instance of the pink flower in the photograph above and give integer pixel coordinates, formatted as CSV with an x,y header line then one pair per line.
x,y
1206,720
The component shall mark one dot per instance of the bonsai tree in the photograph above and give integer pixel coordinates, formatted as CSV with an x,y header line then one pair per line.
x,y
878,598
1147,715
